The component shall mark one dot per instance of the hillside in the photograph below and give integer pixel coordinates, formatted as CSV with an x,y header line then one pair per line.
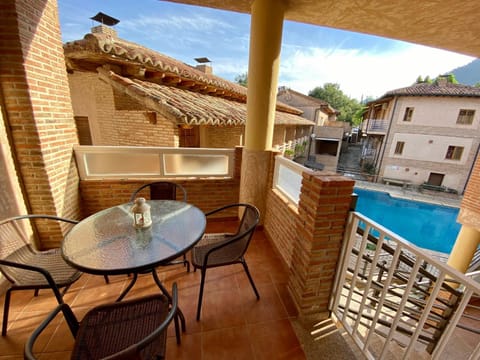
x,y
468,74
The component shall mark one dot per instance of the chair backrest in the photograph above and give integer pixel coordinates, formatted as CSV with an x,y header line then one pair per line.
x,y
246,228
162,190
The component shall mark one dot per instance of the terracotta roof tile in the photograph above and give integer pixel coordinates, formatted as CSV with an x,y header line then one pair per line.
x,y
187,107
102,48
424,89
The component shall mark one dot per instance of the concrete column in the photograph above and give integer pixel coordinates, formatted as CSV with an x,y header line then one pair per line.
x,y
465,246
265,45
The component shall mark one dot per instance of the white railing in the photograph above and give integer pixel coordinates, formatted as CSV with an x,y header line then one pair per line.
x,y
291,144
393,298
128,162
287,178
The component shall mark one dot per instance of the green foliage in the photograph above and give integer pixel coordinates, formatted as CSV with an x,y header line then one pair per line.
x,y
358,116
332,94
300,149
242,79
450,78
427,80
477,84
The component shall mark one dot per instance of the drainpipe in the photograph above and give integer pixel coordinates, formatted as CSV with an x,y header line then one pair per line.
x,y
387,135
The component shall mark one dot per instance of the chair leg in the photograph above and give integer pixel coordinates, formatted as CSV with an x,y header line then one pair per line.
x,y
244,263
35,293
6,307
107,280
200,296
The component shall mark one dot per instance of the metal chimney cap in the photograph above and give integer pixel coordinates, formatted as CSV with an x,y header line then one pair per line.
x,y
202,60
105,19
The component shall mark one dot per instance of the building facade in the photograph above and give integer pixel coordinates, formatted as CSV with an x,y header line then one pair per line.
x,y
426,135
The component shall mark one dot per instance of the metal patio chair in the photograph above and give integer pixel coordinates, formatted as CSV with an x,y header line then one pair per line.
x,y
25,268
132,329
221,249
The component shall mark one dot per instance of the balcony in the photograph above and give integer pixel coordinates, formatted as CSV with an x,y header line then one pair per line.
x,y
279,325
375,126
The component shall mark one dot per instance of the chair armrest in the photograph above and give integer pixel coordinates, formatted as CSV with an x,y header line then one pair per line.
x,y
38,216
40,270
71,321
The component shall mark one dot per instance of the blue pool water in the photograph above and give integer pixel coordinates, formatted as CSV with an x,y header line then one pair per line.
x,y
426,225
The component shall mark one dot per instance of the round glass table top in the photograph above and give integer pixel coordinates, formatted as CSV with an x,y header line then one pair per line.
x,y
108,242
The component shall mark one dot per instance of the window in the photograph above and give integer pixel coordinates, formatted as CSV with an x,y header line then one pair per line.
x,y
454,152
408,114
465,117
399,147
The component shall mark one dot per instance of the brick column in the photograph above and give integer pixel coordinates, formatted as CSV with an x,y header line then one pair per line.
x,y
323,212
37,110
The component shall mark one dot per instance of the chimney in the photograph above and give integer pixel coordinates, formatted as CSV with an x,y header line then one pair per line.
x,y
103,29
442,80
207,69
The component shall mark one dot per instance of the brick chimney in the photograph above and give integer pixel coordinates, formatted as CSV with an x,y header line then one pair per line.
x,y
207,69
442,80
103,29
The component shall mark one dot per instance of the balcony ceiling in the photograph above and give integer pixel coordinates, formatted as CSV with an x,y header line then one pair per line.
x,y
447,24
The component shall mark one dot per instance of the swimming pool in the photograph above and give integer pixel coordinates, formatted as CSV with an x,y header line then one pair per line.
x,y
426,225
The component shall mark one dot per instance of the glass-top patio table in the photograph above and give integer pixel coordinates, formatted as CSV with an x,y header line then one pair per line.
x,y
107,243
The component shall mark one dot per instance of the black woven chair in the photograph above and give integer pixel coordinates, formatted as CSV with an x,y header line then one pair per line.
x,y
132,329
221,249
164,190
28,269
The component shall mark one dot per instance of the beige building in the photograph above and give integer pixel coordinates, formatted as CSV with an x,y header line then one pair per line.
x,y
119,88
425,134
326,139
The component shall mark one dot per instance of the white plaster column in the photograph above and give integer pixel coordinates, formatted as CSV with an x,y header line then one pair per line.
x,y
465,246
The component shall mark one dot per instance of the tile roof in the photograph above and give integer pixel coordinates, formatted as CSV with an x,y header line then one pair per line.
x,y
435,89
97,49
187,107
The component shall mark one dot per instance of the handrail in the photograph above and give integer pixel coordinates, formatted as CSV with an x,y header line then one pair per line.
x,y
127,162
388,287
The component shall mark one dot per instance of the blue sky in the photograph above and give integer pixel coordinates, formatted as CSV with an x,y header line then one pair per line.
x,y
311,56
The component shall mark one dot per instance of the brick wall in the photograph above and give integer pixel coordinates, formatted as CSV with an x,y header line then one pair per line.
x,y
115,119
470,208
37,105
223,136
309,238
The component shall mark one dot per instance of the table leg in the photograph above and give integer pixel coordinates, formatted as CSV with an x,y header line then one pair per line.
x,y
167,294
127,289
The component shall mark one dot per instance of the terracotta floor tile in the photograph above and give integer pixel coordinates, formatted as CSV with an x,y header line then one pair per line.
x,y
222,309
227,344
189,349
275,340
268,308
234,325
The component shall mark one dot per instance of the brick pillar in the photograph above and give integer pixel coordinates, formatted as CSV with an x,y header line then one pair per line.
x,y
323,212
38,110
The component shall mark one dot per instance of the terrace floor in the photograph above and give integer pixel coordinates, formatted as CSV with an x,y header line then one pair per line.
x,y
234,325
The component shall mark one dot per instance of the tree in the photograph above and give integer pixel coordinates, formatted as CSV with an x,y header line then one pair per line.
x,y
332,94
242,79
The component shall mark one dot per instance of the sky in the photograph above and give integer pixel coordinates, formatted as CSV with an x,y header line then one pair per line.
x,y
364,66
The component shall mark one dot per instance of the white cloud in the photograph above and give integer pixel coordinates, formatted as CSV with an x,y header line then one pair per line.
x,y
361,73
